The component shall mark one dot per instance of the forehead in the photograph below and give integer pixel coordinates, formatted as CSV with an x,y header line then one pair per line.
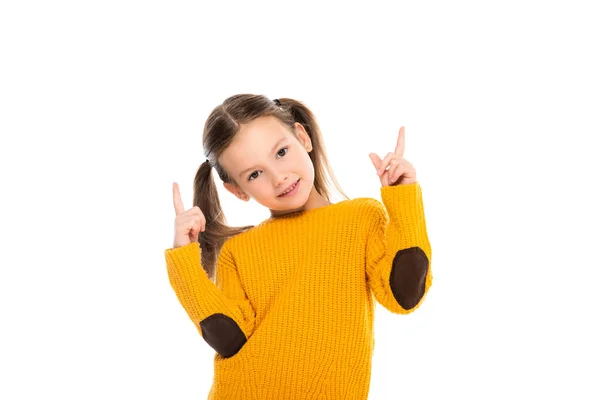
x,y
266,126
253,143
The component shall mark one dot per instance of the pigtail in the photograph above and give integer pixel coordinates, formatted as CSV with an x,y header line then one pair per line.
x,y
217,231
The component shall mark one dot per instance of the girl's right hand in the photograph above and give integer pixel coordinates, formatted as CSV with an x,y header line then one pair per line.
x,y
188,224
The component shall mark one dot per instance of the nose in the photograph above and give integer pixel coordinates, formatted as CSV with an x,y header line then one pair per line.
x,y
280,179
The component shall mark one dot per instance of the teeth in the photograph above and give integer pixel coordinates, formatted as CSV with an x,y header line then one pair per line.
x,y
287,191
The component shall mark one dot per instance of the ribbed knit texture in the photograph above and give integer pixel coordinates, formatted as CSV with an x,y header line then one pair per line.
x,y
301,288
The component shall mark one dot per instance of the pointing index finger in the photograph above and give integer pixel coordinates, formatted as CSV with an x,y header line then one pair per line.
x,y
179,208
400,143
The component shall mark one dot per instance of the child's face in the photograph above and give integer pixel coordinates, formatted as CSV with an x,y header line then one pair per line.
x,y
262,170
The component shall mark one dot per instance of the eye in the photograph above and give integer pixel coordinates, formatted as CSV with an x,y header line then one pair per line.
x,y
279,152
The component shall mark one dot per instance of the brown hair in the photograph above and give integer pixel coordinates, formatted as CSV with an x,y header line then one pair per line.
x,y
220,128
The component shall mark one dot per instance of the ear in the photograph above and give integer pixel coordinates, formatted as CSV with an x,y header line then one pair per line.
x,y
302,135
239,193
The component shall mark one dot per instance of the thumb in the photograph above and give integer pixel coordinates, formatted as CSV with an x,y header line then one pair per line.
x,y
375,160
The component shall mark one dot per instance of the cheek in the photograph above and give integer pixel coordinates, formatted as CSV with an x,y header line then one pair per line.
x,y
262,188
308,172
304,159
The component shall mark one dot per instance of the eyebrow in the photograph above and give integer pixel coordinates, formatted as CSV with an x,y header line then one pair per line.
x,y
272,150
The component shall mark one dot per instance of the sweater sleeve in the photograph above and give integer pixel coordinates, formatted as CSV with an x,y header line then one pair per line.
x,y
220,311
398,253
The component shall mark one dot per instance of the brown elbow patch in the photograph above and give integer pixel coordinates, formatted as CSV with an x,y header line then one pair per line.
x,y
407,278
223,334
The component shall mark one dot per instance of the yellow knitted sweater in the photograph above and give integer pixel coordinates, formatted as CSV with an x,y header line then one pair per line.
x,y
290,313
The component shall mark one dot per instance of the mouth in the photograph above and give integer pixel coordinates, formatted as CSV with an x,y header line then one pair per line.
x,y
292,189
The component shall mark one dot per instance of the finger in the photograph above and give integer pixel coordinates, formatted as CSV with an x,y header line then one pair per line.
x,y
375,159
196,218
201,220
201,225
377,162
384,178
177,199
385,162
400,143
393,166
395,172
198,227
194,224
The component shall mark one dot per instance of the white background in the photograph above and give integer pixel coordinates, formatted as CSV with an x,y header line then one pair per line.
x,y
102,106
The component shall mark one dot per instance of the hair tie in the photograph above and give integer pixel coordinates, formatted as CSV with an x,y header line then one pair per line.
x,y
277,102
208,162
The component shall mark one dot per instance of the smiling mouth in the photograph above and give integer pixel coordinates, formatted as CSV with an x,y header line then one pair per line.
x,y
289,190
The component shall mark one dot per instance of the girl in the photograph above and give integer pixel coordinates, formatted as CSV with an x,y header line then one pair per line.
x,y
288,305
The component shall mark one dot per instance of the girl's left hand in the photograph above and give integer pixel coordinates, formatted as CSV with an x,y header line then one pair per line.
x,y
400,171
